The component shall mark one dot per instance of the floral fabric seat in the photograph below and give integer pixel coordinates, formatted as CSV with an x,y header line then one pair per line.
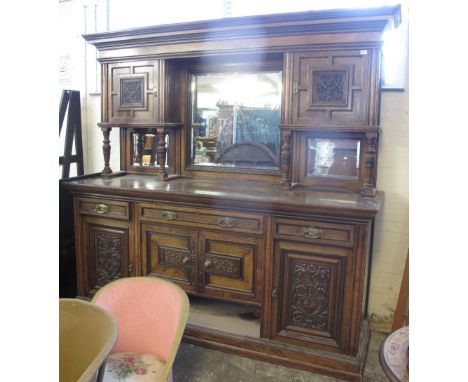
x,y
134,367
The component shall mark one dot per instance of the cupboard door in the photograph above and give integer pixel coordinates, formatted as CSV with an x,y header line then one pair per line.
x,y
308,296
133,92
106,245
169,252
331,88
230,266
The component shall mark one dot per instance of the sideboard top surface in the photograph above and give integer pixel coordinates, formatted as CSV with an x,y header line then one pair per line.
x,y
267,197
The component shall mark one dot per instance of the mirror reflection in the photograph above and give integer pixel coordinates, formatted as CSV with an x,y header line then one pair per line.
x,y
333,157
236,119
144,149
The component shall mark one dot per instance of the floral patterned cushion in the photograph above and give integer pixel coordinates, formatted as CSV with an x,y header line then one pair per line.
x,y
133,367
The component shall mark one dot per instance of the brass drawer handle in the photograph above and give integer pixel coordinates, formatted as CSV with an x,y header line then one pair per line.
x,y
312,233
130,268
102,208
169,215
225,221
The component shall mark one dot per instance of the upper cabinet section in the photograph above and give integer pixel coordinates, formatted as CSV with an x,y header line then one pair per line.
x,y
332,88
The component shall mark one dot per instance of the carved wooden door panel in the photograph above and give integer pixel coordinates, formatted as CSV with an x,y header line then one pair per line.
x,y
106,244
230,266
332,88
309,304
132,96
169,252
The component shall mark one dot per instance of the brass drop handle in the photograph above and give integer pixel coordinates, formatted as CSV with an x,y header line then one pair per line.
x,y
169,215
312,233
102,208
130,268
295,87
274,292
226,221
207,263
185,260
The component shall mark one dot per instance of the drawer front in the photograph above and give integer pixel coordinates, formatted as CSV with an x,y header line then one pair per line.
x,y
204,218
315,231
103,207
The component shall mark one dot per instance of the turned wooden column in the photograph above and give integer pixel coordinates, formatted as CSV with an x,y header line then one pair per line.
x,y
285,159
161,150
141,140
370,164
106,150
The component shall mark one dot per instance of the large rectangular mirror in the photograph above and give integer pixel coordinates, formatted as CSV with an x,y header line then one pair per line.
x,y
235,119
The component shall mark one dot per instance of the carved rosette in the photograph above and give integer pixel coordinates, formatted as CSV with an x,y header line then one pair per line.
x,y
132,94
309,296
108,257
329,86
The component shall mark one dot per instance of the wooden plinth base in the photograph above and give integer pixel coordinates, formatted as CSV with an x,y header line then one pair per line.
x,y
333,364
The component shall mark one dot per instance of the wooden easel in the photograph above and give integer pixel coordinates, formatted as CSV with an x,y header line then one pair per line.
x,y
71,100
402,312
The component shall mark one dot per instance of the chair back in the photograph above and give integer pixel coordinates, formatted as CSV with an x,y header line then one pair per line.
x,y
151,314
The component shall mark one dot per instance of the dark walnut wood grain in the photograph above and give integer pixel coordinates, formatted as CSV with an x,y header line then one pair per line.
x,y
291,243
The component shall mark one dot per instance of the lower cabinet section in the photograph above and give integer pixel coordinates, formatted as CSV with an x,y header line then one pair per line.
x,y
219,264
105,253
286,290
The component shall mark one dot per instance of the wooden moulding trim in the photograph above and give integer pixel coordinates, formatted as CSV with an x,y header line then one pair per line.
x,y
286,24
229,203
305,358
141,125
347,129
124,54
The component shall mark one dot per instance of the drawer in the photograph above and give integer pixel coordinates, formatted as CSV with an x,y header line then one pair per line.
x,y
204,218
104,207
315,231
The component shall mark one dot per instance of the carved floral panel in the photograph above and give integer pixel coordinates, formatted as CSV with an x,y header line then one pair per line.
x,y
131,92
173,257
108,257
329,87
309,295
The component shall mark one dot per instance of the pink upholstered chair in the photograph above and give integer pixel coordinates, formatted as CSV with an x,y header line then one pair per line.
x,y
151,314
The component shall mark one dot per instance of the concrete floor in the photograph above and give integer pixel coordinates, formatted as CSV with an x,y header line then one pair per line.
x,y
197,364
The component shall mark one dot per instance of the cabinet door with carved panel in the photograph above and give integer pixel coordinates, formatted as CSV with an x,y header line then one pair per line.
x,y
230,265
333,88
106,253
169,252
309,300
132,96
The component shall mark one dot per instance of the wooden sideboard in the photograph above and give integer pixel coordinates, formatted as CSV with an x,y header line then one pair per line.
x,y
286,239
